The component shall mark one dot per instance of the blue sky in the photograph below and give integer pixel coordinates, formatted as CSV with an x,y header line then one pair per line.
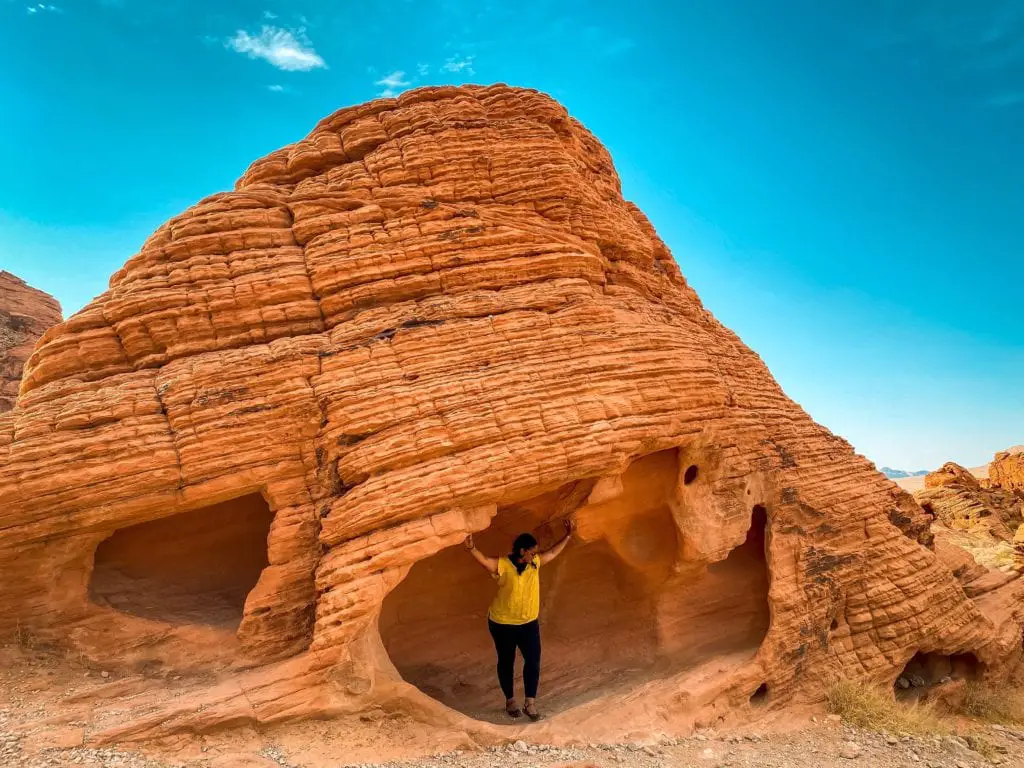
x,y
843,183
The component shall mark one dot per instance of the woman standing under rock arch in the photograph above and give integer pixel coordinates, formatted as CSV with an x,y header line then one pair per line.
x,y
513,618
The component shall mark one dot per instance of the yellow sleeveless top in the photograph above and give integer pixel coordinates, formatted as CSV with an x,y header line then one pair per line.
x,y
518,598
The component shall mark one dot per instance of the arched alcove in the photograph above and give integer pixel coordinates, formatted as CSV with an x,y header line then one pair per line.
x,y
926,670
608,603
195,567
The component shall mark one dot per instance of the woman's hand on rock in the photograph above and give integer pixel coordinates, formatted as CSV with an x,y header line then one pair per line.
x,y
469,542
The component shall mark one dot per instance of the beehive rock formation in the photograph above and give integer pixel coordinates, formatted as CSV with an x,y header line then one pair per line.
x,y
25,313
436,315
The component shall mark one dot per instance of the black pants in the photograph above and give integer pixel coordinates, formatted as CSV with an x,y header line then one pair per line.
x,y
525,637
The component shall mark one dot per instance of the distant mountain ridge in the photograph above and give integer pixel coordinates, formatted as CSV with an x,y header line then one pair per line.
x,y
896,474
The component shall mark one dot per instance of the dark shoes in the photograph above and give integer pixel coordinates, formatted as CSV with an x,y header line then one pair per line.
x,y
512,710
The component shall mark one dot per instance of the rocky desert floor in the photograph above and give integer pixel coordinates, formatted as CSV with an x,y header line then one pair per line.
x,y
43,724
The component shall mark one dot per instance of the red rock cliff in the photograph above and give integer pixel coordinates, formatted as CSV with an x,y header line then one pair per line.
x,y
432,316
25,313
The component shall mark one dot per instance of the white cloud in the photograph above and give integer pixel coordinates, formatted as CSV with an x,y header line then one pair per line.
x,y
289,51
269,15
394,80
422,69
41,7
459,64
276,88
393,84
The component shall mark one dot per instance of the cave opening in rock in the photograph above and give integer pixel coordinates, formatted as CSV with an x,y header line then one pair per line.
x,y
690,475
615,608
194,567
925,670
760,696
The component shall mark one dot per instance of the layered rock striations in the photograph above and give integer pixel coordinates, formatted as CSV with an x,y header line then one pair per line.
x,y
25,314
1007,470
436,315
982,516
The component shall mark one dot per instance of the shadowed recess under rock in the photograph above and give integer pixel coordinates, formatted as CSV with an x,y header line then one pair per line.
x,y
615,611
925,670
191,568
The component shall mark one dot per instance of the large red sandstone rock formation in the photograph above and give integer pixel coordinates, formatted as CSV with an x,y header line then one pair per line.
x,y
437,315
25,313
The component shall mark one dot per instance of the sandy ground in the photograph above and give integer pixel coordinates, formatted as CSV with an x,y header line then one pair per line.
x,y
42,725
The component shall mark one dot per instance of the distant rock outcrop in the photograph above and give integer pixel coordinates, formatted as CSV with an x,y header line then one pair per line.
x,y
1007,469
983,516
25,314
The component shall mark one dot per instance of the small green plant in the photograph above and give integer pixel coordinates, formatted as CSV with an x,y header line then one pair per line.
x,y
867,707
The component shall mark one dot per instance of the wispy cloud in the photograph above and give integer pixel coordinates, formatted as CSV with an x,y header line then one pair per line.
x,y
459,64
276,88
269,15
393,84
42,8
395,80
422,69
287,50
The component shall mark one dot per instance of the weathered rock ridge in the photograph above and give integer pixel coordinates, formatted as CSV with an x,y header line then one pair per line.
x,y
436,315
25,314
1007,470
984,516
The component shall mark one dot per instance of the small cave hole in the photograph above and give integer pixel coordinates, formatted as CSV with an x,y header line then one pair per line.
x,y
760,696
834,625
925,670
194,567
690,475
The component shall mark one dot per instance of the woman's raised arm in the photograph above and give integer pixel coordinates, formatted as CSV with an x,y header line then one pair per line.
x,y
490,563
550,554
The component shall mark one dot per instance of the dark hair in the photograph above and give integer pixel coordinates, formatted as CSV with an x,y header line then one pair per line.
x,y
523,541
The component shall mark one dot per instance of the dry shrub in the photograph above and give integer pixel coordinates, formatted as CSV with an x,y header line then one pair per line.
x,y
867,707
24,639
992,703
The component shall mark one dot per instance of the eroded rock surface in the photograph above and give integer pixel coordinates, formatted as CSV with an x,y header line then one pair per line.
x,y
983,516
25,314
1007,469
436,315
